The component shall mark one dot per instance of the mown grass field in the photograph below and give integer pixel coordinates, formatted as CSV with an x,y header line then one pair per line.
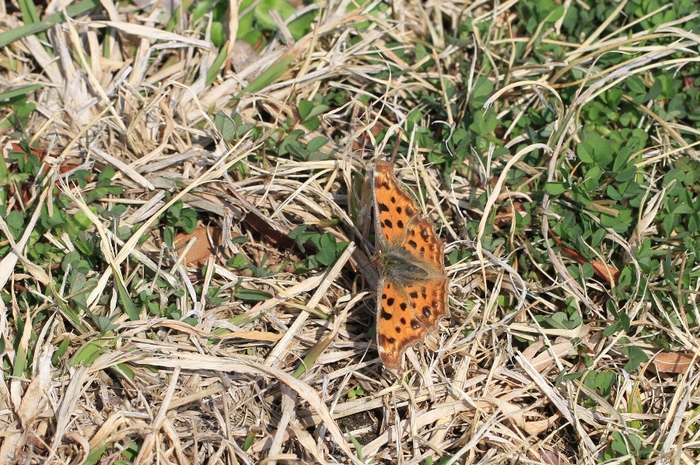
x,y
186,231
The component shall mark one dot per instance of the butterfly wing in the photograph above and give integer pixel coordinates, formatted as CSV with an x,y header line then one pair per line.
x,y
393,206
397,327
427,296
406,314
424,246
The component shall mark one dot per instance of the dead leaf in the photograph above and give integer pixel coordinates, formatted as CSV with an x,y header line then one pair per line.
x,y
208,239
674,362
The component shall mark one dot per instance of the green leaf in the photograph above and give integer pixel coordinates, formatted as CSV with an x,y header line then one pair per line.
x,y
622,158
636,85
95,455
326,256
297,235
556,188
169,236
301,25
263,7
88,353
316,143
15,222
483,87
627,174
126,302
316,111
603,152
238,261
216,66
81,220
357,444
637,357
103,323
618,444
20,363
105,176
584,151
305,108
484,122
250,439
604,382
593,176
230,127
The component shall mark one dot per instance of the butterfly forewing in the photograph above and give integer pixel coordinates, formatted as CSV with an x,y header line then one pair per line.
x,y
394,207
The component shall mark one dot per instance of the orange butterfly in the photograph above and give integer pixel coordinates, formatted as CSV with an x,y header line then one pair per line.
x,y
412,289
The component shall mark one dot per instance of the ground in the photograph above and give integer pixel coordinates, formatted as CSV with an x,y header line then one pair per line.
x,y
187,236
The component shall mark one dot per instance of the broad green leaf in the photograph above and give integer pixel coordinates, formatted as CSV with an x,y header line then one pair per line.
x,y
556,188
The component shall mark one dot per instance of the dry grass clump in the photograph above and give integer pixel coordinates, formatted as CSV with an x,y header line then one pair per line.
x,y
251,340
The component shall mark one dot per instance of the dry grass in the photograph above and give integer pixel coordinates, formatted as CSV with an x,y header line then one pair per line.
x,y
295,378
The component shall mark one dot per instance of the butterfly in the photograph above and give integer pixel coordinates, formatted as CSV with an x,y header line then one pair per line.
x,y
412,289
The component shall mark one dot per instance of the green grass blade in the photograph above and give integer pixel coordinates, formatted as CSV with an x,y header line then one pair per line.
x,y
11,35
19,91
270,75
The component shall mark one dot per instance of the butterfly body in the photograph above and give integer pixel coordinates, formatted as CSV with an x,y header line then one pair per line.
x,y
412,289
398,267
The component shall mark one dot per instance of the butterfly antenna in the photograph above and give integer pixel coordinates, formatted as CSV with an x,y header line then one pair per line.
x,y
397,144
